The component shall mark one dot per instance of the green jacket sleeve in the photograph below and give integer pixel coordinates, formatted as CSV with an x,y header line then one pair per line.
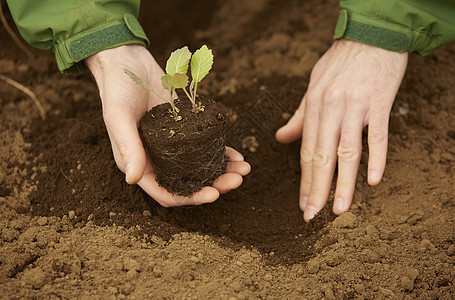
x,y
404,26
76,29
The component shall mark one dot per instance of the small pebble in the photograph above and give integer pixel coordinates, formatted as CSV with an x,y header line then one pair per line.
x,y
313,266
245,258
131,264
426,243
369,256
412,273
328,292
147,213
451,250
286,116
407,284
157,240
112,214
71,214
42,221
34,277
386,292
131,274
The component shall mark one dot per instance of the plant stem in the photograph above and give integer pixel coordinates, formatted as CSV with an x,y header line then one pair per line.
x,y
194,94
189,97
27,91
167,100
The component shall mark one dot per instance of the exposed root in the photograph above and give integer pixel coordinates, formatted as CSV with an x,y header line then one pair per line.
x,y
191,175
14,36
27,91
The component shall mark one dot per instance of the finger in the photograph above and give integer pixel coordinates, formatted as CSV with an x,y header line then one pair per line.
x,y
233,154
240,167
349,153
292,131
163,197
309,138
227,182
325,154
205,195
127,146
377,144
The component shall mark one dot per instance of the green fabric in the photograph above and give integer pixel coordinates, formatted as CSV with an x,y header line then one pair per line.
x,y
404,26
76,29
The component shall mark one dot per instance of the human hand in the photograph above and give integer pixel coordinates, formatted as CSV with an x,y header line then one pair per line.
x,y
124,103
351,86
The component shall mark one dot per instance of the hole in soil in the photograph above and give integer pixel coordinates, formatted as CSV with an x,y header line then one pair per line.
x,y
4,190
263,213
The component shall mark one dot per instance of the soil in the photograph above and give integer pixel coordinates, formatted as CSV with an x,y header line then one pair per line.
x,y
189,153
71,228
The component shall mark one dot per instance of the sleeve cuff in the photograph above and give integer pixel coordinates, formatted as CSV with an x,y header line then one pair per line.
x,y
380,33
372,32
70,53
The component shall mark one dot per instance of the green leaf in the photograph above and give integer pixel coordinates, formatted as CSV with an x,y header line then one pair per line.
x,y
178,61
179,81
201,63
166,82
141,82
137,80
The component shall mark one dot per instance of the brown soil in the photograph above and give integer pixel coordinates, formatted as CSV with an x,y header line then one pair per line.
x,y
71,228
189,153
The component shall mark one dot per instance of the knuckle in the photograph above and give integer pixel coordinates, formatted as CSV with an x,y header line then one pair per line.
x,y
332,96
321,160
347,154
377,137
306,155
305,186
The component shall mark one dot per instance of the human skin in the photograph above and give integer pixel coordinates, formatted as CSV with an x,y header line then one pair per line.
x,y
353,85
124,103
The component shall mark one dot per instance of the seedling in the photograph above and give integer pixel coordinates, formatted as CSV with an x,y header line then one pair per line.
x,y
176,77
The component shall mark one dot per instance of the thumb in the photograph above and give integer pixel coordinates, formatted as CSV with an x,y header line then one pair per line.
x,y
129,153
292,131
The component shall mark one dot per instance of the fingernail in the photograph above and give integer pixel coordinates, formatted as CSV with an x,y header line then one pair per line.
x,y
338,205
309,213
373,176
128,173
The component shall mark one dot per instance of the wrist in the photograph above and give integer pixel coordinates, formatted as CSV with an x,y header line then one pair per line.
x,y
110,58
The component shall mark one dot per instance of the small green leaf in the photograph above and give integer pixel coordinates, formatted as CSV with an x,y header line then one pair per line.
x,y
201,63
166,82
142,83
179,81
137,80
178,61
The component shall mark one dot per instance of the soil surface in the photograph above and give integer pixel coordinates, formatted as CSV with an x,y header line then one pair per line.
x,y
71,228
187,150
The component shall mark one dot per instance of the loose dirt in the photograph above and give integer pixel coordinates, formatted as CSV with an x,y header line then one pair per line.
x,y
71,228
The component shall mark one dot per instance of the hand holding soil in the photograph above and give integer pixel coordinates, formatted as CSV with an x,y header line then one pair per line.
x,y
124,104
353,85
